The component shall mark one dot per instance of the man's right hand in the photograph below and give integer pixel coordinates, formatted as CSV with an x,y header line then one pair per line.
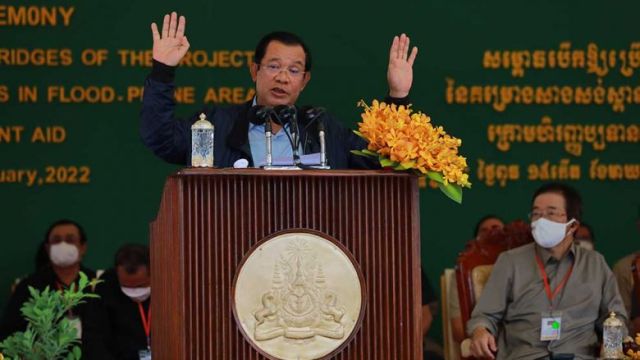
x,y
172,45
483,344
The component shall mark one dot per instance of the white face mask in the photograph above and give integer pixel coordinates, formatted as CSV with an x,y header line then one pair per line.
x,y
549,233
63,254
137,294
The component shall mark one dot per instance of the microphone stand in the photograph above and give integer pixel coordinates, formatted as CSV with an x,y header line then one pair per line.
x,y
284,114
295,136
315,114
323,147
268,137
264,114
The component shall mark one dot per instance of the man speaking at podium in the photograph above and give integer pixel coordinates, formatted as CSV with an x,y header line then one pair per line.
x,y
280,71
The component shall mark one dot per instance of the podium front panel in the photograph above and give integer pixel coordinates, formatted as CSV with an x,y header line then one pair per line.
x,y
209,219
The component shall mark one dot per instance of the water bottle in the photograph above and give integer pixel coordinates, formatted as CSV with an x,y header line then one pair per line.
x,y
202,143
612,336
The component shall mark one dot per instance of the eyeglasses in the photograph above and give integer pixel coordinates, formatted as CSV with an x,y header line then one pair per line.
x,y
295,72
547,214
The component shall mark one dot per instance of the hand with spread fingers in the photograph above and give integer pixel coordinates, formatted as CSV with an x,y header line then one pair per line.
x,y
400,70
170,46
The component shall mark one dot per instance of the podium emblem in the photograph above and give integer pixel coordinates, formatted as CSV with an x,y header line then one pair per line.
x,y
298,295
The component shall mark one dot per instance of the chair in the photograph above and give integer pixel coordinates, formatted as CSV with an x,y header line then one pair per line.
x,y
474,266
451,347
635,268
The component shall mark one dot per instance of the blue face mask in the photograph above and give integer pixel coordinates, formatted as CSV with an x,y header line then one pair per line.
x,y
549,233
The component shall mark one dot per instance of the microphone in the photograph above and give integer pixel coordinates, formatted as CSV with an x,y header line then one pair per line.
x,y
283,113
263,112
316,114
268,137
259,114
323,147
288,114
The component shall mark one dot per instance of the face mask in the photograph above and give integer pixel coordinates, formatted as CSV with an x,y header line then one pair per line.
x,y
548,233
63,254
137,294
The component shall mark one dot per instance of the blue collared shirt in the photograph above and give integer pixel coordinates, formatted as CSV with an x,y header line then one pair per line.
x,y
280,145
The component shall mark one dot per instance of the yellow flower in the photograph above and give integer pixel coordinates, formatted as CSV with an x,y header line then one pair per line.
x,y
410,139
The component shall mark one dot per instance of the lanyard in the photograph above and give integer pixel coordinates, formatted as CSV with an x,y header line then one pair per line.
x,y
545,278
60,286
146,321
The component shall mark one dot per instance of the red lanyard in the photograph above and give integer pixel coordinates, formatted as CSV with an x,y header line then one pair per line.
x,y
60,286
545,278
146,320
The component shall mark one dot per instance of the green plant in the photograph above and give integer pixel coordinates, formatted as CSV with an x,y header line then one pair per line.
x,y
50,335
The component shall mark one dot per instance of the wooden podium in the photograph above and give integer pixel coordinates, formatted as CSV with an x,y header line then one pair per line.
x,y
210,218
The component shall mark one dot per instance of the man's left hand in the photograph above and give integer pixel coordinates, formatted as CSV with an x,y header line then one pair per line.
x,y
400,71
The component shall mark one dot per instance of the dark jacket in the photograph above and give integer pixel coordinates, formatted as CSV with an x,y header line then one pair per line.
x,y
12,319
114,327
170,138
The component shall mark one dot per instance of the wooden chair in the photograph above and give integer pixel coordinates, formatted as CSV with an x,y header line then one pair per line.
x,y
451,346
635,268
474,265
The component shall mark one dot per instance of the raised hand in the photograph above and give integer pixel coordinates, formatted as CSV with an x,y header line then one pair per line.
x,y
170,47
400,70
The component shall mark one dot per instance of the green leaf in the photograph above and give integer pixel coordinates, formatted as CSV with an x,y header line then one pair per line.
x,y
405,165
360,153
384,162
370,153
435,176
453,191
84,280
359,134
77,352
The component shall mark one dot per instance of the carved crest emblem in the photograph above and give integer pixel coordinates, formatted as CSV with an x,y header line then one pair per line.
x,y
298,296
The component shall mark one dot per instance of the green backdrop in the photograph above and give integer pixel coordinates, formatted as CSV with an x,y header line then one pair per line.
x,y
349,42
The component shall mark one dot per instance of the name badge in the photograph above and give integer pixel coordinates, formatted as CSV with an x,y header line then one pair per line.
x,y
144,354
551,326
77,324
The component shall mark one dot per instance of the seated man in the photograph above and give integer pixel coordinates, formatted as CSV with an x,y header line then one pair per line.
x,y
119,326
58,262
624,275
281,70
585,237
548,299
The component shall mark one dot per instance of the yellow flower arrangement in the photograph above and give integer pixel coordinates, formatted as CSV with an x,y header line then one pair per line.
x,y
407,140
634,353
